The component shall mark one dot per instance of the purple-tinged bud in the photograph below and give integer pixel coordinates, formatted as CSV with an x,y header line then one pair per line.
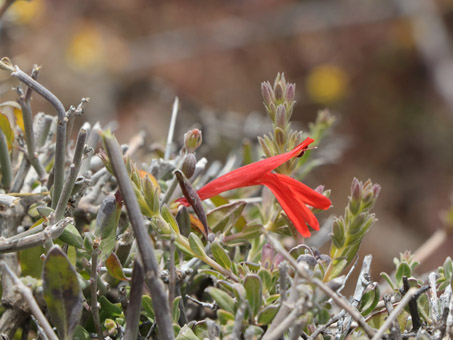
x,y
356,190
376,190
271,109
267,92
267,255
280,116
192,140
189,164
319,189
280,137
278,92
290,93
277,260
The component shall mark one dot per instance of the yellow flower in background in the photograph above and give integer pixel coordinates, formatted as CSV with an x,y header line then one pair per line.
x,y
23,12
327,83
86,48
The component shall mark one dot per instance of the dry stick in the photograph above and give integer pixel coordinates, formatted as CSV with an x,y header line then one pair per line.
x,y
276,332
413,308
395,327
239,320
73,172
172,274
14,244
155,286
397,311
135,302
93,289
30,136
34,307
61,130
340,302
171,129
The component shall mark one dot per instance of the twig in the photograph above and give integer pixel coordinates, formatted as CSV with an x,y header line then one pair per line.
x,y
239,320
413,309
34,307
30,135
397,311
283,271
8,201
433,298
93,288
61,129
34,75
172,273
340,302
5,162
15,243
171,129
276,332
159,298
395,330
135,302
321,329
211,306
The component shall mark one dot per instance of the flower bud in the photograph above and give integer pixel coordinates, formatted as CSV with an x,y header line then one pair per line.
x,y
267,255
189,164
268,93
278,92
290,93
192,140
280,116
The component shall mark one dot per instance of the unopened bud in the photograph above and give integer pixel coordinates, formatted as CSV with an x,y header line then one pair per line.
x,y
356,189
267,255
278,92
192,140
189,164
290,93
280,116
267,92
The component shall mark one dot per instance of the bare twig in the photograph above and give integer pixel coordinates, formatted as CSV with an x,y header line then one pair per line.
x,y
395,329
135,302
14,244
29,298
171,129
61,129
172,273
276,332
93,288
397,311
159,297
413,309
341,302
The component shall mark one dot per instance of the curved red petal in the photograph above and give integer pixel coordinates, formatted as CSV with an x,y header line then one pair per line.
x,y
244,176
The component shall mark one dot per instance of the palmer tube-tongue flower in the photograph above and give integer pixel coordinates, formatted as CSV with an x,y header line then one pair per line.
x,y
292,195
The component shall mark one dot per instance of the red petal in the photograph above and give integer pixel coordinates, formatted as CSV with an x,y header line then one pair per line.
x,y
292,203
244,176
307,194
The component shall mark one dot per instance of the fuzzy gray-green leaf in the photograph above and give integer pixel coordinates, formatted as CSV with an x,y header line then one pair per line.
x,y
254,291
220,255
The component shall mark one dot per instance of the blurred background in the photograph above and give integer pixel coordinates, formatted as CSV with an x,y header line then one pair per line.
x,y
384,68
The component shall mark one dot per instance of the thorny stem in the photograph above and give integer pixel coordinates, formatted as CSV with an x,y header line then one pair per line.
x,y
93,289
339,301
61,130
5,162
34,307
171,129
159,298
135,302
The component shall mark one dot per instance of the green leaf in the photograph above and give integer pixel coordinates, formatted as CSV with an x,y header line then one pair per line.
x,y
115,268
109,310
168,216
81,334
220,255
186,333
249,232
107,218
267,314
62,292
225,217
176,310
402,270
266,279
5,126
222,299
147,307
72,236
387,278
224,316
212,272
369,301
196,245
254,292
30,262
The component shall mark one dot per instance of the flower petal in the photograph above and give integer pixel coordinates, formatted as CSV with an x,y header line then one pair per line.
x,y
308,195
247,174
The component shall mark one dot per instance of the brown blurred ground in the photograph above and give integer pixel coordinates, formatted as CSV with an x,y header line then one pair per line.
x,y
361,59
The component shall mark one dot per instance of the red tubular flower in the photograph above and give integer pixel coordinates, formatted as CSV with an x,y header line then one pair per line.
x,y
292,195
